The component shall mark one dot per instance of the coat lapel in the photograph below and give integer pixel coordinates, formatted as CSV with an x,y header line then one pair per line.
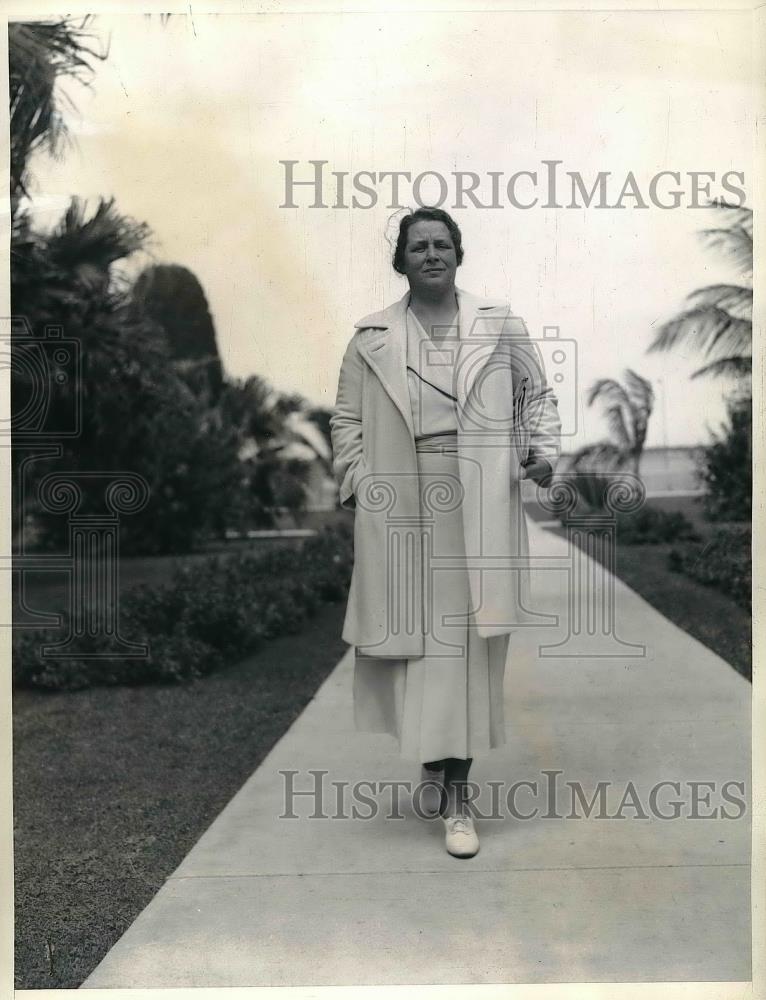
x,y
384,346
481,324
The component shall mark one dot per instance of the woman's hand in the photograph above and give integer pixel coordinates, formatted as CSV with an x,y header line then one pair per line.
x,y
346,425
539,470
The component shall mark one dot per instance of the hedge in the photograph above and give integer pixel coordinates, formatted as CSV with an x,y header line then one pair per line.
x,y
207,616
650,526
725,563
646,526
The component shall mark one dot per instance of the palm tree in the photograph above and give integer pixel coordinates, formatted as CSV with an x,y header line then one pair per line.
x,y
719,320
627,408
39,53
281,445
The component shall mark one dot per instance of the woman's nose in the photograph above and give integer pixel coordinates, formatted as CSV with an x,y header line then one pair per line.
x,y
431,253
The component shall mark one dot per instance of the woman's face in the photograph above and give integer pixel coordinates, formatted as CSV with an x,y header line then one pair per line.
x,y
430,260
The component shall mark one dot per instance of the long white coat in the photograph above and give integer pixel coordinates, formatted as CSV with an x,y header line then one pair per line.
x,y
506,412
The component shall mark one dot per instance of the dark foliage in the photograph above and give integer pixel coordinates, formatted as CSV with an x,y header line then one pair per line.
x,y
594,468
646,526
208,616
649,526
122,407
726,465
172,297
724,562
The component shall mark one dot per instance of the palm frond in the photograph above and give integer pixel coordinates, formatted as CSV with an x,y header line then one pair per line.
x,y
718,324
618,426
608,389
291,402
736,367
736,299
641,395
99,241
735,243
617,405
739,214
711,331
639,389
627,410
39,54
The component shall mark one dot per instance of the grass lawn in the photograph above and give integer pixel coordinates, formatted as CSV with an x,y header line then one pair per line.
x,y
711,617
113,787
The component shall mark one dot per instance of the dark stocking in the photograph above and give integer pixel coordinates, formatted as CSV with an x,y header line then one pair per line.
x,y
455,782
434,765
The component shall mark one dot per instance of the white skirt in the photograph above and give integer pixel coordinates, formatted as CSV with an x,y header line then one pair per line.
x,y
448,702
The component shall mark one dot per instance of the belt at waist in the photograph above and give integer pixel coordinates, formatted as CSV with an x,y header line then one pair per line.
x,y
437,442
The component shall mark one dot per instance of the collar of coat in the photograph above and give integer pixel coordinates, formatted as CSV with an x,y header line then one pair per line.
x,y
382,341
393,316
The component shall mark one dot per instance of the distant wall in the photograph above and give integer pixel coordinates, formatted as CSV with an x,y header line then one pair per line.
x,y
670,470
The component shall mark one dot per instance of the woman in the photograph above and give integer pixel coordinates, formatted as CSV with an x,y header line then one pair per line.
x,y
442,409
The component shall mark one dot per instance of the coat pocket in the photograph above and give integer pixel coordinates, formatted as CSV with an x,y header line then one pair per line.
x,y
359,471
521,433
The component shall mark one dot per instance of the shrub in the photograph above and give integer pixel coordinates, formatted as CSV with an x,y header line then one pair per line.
x,y
726,468
648,525
725,563
591,488
207,616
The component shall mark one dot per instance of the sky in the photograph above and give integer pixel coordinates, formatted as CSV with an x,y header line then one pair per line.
x,y
185,125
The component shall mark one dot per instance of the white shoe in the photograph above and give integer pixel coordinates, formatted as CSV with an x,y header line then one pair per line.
x,y
430,790
461,839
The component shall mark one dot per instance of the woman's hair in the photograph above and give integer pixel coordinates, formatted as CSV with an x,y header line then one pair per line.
x,y
431,215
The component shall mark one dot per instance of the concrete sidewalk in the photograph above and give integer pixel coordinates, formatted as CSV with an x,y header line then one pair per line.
x,y
263,901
